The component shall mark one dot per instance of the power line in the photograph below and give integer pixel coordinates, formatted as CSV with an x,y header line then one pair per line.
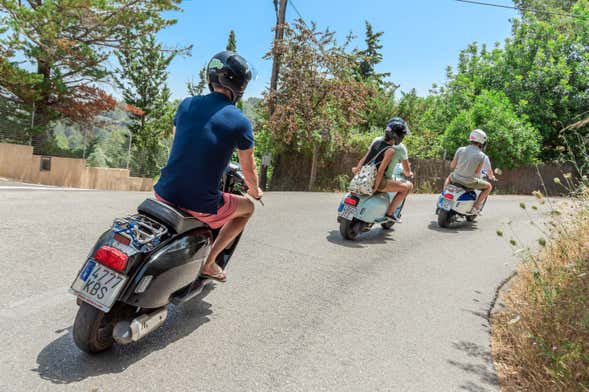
x,y
294,7
520,8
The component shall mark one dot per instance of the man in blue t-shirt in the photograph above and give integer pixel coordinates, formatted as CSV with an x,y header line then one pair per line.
x,y
207,129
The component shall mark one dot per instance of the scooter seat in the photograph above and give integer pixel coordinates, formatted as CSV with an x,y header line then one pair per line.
x,y
176,219
461,186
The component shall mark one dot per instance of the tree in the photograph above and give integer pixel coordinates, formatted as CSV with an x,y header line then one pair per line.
x,y
115,145
200,87
14,119
144,87
543,69
318,102
68,44
512,140
380,107
381,103
544,9
231,42
97,158
546,73
371,56
149,160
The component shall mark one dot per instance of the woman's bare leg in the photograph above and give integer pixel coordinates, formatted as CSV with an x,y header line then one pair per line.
x,y
402,190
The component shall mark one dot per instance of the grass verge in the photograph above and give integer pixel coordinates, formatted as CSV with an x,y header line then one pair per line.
x,y
540,341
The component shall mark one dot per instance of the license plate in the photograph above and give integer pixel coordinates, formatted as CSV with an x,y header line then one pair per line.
x,y
445,204
98,285
347,211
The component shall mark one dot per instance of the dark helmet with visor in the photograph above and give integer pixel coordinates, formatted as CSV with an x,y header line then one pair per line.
x,y
230,70
396,130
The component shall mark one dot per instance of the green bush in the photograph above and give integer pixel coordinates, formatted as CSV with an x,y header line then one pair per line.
x,y
512,140
360,141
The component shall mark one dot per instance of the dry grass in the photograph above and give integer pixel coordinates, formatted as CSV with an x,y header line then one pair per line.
x,y
541,341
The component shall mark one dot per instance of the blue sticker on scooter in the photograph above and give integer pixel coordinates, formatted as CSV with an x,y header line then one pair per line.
x,y
340,208
441,201
88,270
468,196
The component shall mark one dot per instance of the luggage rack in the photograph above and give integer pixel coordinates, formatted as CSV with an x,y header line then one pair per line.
x,y
141,230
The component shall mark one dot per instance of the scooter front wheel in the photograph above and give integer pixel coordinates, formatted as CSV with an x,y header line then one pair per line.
x,y
349,229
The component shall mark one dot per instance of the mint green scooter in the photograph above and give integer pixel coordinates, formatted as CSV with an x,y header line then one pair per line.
x,y
358,213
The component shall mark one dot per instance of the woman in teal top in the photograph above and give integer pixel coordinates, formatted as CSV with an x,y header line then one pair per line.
x,y
390,151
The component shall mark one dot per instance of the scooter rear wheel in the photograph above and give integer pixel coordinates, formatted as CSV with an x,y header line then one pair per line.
x,y
93,329
349,229
444,218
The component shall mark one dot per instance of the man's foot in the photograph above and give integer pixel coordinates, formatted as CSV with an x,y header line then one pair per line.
x,y
393,218
216,273
474,211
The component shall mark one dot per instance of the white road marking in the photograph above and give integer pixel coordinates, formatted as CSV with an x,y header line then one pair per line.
x,y
42,188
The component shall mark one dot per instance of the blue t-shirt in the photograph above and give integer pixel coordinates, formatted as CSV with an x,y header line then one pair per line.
x,y
208,129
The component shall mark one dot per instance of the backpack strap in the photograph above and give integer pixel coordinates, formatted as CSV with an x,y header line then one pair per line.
x,y
376,156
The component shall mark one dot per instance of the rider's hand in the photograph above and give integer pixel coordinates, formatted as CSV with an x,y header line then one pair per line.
x,y
355,169
255,193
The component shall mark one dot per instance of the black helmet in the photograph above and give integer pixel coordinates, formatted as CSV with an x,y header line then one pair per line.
x,y
230,70
396,129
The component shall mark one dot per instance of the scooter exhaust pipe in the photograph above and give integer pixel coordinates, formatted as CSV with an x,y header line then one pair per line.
x,y
126,332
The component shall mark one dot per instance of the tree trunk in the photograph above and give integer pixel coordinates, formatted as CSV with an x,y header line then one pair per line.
x,y
263,177
290,171
314,162
42,135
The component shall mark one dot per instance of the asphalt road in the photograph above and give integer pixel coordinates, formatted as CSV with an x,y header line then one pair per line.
x,y
303,310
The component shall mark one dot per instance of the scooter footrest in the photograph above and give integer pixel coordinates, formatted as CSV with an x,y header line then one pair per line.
x,y
189,292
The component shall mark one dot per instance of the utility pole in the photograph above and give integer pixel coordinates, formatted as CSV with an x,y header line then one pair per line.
x,y
278,37
280,8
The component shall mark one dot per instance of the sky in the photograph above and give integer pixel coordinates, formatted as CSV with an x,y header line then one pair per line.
x,y
421,37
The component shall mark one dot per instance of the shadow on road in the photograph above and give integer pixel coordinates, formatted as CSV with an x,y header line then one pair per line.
x,y
376,236
481,368
61,362
454,228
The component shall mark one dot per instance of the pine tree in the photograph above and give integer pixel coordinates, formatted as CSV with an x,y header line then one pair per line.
x,y
231,42
200,87
371,56
68,45
144,87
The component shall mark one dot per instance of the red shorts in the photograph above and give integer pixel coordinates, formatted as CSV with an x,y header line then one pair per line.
x,y
223,215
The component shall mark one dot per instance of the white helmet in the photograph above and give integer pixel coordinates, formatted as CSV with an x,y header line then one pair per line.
x,y
478,136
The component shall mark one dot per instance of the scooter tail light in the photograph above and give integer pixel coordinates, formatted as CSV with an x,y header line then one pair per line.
x,y
449,196
351,201
111,257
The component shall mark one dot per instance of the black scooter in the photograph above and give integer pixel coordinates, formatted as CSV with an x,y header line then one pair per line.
x,y
140,265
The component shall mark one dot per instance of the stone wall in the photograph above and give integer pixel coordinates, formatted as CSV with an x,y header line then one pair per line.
x,y
17,162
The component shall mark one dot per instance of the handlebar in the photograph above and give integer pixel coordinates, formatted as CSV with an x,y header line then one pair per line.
x,y
258,199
